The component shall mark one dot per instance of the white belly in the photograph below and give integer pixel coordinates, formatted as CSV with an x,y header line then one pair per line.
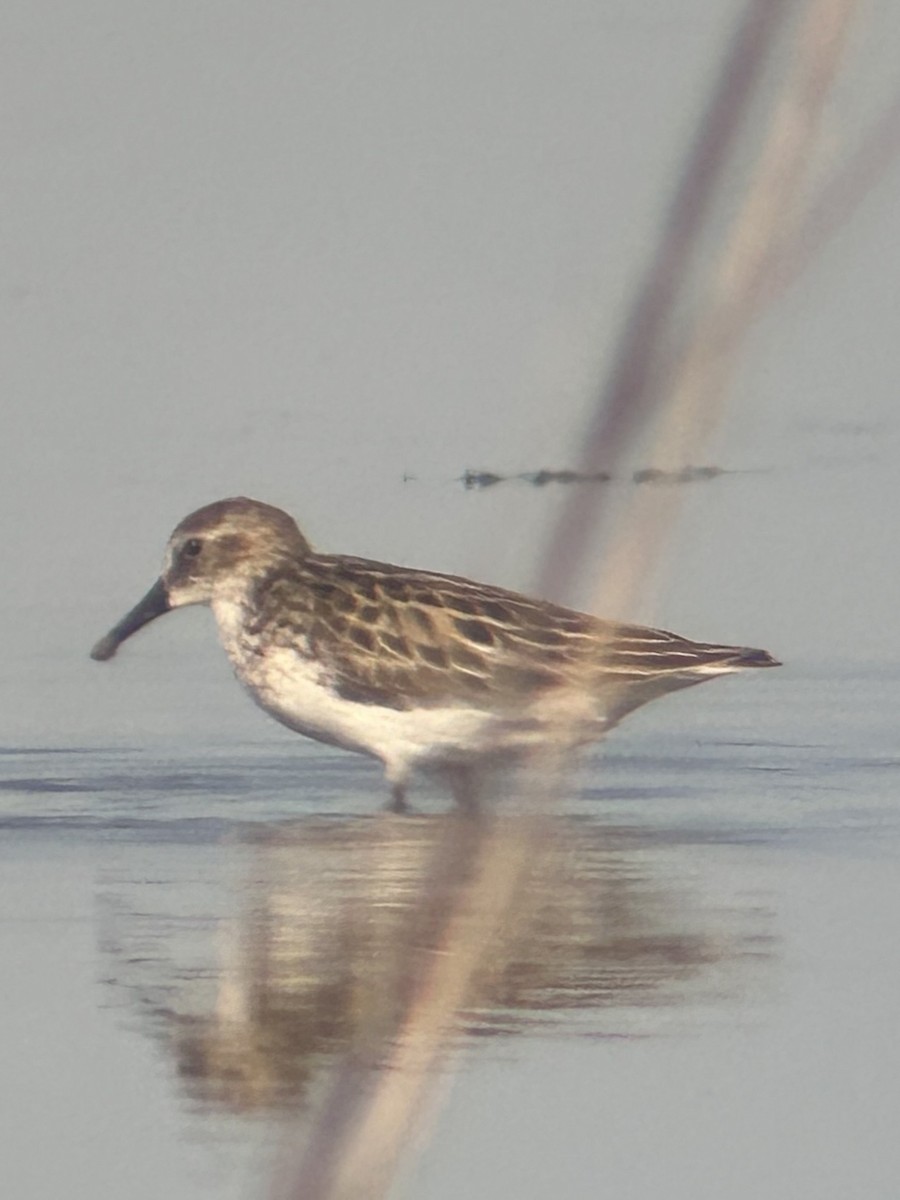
x,y
291,688
295,691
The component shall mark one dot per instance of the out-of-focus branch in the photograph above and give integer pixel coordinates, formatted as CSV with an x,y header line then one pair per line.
x,y
696,393
835,203
635,386
376,1105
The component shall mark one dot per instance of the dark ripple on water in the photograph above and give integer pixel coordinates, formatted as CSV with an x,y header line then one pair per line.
x,y
728,790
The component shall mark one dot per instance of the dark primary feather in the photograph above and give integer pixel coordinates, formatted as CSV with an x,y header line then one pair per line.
x,y
403,639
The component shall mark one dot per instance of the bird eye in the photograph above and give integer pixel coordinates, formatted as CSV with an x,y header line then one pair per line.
x,y
192,548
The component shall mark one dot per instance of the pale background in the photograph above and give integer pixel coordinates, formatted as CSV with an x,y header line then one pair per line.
x,y
295,251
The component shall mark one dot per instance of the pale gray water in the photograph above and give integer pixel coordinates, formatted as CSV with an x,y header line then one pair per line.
x,y
705,1007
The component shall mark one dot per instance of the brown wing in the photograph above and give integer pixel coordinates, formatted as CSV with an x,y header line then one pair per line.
x,y
407,639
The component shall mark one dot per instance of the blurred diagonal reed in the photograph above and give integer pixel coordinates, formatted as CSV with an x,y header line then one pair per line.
x,y
678,348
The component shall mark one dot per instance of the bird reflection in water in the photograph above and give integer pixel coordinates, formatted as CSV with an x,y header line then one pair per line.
x,y
339,919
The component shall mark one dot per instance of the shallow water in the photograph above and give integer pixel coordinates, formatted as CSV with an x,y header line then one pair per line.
x,y
697,997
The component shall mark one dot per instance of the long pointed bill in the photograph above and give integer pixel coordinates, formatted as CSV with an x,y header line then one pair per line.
x,y
153,605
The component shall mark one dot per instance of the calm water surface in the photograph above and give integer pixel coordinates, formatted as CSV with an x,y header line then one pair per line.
x,y
698,996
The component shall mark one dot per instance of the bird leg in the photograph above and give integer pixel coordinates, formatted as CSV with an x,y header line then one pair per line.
x,y
465,790
398,802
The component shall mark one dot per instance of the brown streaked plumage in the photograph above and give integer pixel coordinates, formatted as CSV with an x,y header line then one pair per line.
x,y
417,669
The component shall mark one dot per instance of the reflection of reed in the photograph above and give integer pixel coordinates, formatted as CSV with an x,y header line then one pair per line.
x,y
337,930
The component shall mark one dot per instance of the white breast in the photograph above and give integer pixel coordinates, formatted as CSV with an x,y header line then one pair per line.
x,y
294,689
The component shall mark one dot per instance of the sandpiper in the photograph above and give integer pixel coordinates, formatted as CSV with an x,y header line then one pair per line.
x,y
421,671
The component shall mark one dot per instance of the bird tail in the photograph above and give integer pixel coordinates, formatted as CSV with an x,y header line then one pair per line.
x,y
666,663
735,658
